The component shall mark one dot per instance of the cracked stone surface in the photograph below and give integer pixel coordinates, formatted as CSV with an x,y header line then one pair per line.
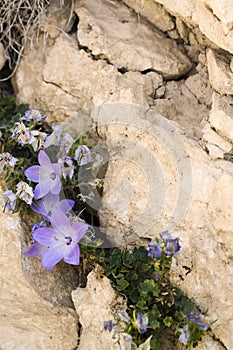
x,y
28,321
108,30
146,167
2,56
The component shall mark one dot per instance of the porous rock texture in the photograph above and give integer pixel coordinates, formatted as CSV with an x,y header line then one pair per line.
x,y
163,109
27,320
2,56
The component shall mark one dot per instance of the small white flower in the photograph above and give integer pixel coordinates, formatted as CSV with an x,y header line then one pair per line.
x,y
24,192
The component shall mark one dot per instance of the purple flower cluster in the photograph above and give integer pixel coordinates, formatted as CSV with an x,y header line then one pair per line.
x,y
58,238
142,322
166,245
196,318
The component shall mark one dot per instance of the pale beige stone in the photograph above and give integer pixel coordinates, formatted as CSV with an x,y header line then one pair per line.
x,y
213,17
108,30
153,12
220,74
28,321
221,116
216,144
94,305
2,56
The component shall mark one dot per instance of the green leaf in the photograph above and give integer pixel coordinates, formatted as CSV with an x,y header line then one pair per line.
x,y
167,321
122,284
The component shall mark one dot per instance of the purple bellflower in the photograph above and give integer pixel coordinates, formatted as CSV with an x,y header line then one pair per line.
x,y
46,174
108,325
142,322
9,200
61,240
82,155
154,250
67,168
21,134
33,116
199,319
66,144
24,192
185,334
166,245
35,249
55,137
49,202
7,159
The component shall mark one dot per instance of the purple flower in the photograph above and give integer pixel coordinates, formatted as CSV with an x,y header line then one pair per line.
x,y
199,319
185,334
9,200
49,202
54,138
33,116
142,322
108,325
126,341
67,168
66,144
38,225
7,159
37,139
34,250
21,134
46,174
82,155
154,250
61,240
24,192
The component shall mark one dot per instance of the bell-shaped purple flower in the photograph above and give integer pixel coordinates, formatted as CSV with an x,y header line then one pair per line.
x,y
9,200
142,322
82,155
33,116
154,250
46,174
61,240
49,202
67,167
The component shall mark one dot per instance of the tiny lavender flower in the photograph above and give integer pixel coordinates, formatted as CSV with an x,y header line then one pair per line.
x,y
82,155
154,250
33,116
55,137
7,159
9,200
46,174
21,134
66,144
37,139
172,244
25,192
126,341
108,325
49,202
142,322
67,168
199,319
185,334
61,240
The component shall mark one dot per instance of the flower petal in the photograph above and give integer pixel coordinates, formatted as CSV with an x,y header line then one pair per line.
x,y
33,173
56,186
40,192
60,221
66,205
73,257
79,229
35,250
44,235
43,158
52,256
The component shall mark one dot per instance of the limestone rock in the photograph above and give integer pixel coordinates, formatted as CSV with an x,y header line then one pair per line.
x,y
27,320
2,56
94,305
213,17
154,12
216,144
221,117
221,76
108,30
157,179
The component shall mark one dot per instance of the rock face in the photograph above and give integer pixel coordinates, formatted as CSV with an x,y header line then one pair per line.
x,y
27,320
2,56
163,109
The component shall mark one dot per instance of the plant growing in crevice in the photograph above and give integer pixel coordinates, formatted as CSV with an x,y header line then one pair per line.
x,y
41,165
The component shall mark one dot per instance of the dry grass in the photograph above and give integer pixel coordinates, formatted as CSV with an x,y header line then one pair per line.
x,y
20,22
